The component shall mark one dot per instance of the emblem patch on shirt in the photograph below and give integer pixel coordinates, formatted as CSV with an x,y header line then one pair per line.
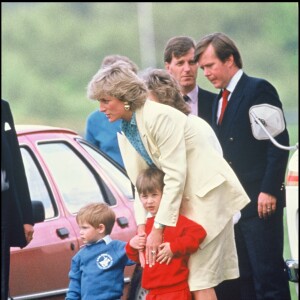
x,y
104,261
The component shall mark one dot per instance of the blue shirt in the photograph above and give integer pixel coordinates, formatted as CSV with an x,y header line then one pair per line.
x,y
97,271
131,131
103,134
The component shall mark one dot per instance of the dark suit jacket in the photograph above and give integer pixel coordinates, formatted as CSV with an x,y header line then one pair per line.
x,y
205,102
16,202
259,165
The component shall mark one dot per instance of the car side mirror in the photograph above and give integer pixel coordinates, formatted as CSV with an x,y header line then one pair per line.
x,y
267,122
38,211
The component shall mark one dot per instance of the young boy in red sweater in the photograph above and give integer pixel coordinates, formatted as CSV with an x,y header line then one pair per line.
x,y
166,279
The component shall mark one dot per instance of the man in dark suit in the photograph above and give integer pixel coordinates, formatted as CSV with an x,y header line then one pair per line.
x,y
179,62
259,165
16,210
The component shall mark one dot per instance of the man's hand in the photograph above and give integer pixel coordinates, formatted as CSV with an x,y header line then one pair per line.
x,y
266,205
28,230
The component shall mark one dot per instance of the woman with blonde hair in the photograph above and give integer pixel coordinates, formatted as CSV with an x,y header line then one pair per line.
x,y
198,181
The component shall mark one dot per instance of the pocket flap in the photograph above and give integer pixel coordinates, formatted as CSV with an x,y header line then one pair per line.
x,y
210,184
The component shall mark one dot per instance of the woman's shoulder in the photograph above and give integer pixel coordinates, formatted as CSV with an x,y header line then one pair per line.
x,y
156,109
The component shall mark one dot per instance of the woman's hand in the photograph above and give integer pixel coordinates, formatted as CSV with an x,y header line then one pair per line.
x,y
165,254
152,246
142,238
141,229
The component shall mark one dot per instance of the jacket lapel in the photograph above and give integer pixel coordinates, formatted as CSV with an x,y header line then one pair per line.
x,y
149,145
214,112
233,104
133,161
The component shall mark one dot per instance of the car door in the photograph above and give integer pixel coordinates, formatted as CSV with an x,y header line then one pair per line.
x,y
65,177
41,268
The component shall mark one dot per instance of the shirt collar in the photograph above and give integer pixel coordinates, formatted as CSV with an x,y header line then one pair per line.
x,y
132,120
107,239
125,125
149,215
234,80
193,94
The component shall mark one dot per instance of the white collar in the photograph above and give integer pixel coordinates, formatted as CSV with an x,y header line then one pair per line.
x,y
107,239
193,95
149,215
234,81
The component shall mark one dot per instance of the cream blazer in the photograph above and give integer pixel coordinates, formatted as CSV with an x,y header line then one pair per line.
x,y
208,133
198,181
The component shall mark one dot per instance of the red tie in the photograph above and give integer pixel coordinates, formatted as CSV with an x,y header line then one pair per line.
x,y
225,95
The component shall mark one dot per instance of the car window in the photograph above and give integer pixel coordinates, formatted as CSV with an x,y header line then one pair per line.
x,y
76,182
37,186
120,179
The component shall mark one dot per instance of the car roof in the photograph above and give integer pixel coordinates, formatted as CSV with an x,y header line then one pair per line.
x,y
28,129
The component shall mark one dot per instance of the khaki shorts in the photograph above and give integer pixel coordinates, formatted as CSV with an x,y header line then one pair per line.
x,y
216,262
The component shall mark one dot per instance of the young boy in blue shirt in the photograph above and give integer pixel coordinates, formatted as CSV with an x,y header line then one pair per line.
x,y
97,270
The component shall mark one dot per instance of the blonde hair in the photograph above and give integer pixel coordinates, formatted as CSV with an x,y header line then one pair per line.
x,y
166,89
119,81
96,214
150,180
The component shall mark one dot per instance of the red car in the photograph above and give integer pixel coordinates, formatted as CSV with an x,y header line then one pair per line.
x,y
64,173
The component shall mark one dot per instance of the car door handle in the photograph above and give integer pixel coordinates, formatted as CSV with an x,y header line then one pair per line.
x,y
123,222
62,232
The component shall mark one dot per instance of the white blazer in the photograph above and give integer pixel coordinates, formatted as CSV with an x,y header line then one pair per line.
x,y
198,181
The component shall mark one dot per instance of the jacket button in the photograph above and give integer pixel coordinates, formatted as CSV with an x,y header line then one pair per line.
x,y
230,162
231,139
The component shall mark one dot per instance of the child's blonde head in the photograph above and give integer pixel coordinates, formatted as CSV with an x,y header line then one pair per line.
x,y
96,214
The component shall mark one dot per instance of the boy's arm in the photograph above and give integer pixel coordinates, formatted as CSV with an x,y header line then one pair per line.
x,y
74,290
135,246
189,241
132,253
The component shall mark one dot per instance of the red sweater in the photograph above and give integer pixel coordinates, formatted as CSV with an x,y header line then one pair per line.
x,y
184,239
